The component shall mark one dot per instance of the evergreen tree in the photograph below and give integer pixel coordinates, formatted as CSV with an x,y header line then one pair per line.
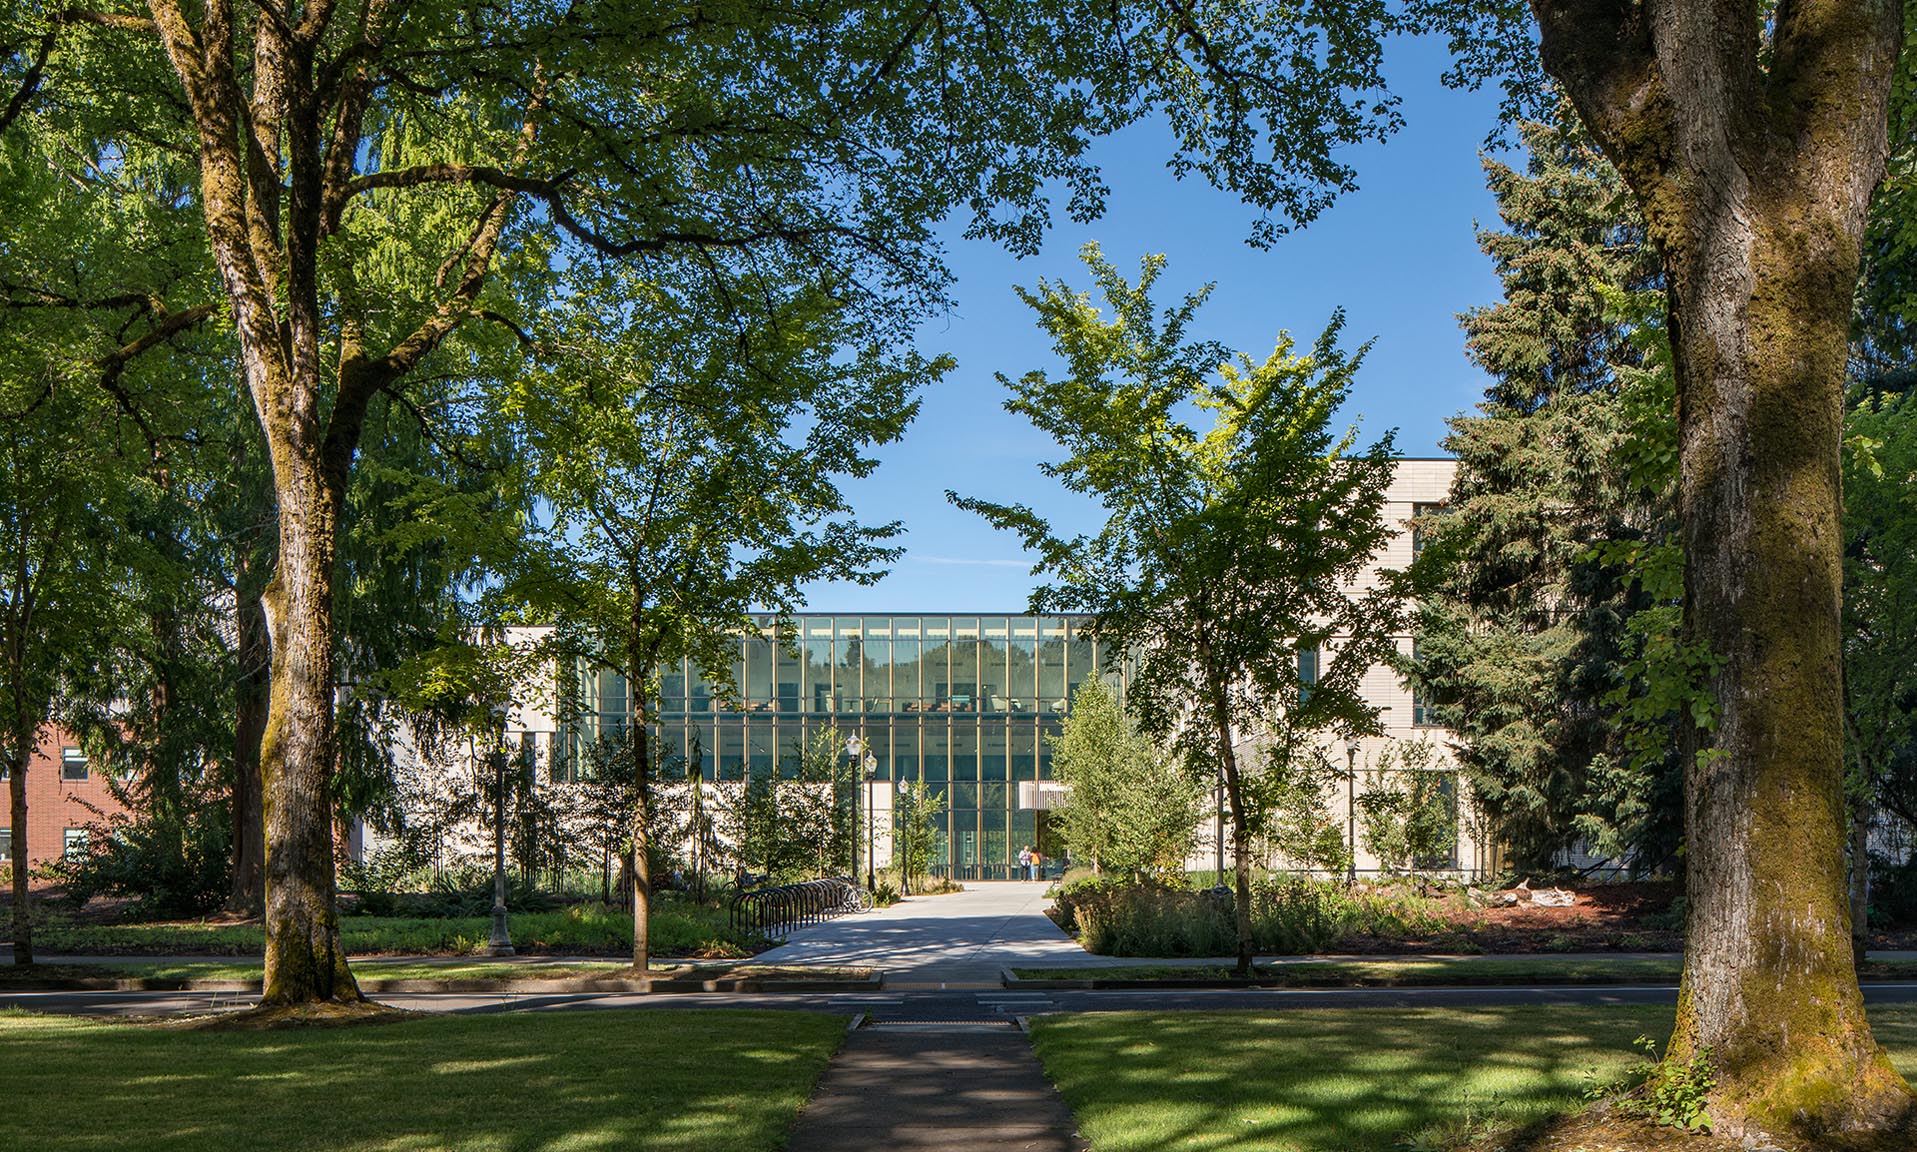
x,y
1524,626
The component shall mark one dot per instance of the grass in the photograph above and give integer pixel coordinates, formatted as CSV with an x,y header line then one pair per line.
x,y
679,928
1433,971
1354,1080
706,1081
368,970
1397,973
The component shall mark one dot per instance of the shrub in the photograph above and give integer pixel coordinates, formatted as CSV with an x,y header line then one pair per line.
x,y
1289,914
167,868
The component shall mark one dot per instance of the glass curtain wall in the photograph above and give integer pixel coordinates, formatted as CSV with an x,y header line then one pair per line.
x,y
960,704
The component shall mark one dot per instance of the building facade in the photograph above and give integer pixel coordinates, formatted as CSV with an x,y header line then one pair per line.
x,y
66,792
965,704
962,703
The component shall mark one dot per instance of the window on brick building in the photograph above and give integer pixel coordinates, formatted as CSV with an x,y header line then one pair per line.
x,y
73,764
73,842
6,845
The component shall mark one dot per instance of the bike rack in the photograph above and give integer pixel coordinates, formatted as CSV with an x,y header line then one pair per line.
x,y
771,911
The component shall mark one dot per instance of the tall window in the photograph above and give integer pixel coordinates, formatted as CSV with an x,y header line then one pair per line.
x,y
6,844
73,765
1421,715
73,842
1307,672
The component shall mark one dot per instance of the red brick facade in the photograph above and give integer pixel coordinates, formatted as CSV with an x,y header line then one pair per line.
x,y
55,803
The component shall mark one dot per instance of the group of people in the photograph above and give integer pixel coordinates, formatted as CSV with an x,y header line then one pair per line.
x,y
1031,861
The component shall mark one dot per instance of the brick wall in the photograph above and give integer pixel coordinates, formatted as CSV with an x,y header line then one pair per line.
x,y
55,804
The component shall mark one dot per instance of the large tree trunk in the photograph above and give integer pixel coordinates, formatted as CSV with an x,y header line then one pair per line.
x,y
277,155
20,756
252,700
1760,332
304,960
1754,168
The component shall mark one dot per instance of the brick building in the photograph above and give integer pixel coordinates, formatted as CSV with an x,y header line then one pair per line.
x,y
65,793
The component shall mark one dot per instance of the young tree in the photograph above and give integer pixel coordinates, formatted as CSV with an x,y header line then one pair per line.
x,y
1226,552
1131,810
1409,808
917,817
1301,826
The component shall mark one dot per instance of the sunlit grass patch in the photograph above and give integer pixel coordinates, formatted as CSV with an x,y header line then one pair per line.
x,y
1353,1080
655,1080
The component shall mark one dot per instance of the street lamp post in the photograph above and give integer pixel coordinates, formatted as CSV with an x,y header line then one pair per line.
x,y
871,844
1351,814
854,748
1218,829
501,943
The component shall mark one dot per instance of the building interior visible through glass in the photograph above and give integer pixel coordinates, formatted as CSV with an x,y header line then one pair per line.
x,y
962,704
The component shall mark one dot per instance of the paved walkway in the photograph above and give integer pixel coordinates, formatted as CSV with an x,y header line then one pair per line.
x,y
951,1090
964,938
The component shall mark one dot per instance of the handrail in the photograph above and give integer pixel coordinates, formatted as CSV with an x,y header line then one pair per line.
x,y
782,907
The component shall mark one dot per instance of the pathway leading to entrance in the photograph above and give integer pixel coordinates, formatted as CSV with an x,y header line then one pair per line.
x,y
952,1089
961,939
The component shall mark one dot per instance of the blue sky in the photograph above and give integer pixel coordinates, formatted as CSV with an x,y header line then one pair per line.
x,y
1399,255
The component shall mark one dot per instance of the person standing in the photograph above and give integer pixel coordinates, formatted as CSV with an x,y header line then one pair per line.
x,y
1026,862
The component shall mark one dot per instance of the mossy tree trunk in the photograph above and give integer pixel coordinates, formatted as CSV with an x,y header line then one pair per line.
x,y
277,150
304,958
1754,167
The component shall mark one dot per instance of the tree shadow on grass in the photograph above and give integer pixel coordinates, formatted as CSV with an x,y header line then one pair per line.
x,y
1359,1080
701,1081
1351,1080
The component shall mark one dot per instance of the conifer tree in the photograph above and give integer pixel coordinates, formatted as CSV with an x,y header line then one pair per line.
x,y
1523,624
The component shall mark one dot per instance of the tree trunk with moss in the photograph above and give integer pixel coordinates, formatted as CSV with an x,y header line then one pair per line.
x,y
304,958
277,143
1754,170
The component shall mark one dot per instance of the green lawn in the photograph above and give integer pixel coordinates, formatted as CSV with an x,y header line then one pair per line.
x,y
703,1081
678,929
1390,972
1350,1080
369,970
1394,973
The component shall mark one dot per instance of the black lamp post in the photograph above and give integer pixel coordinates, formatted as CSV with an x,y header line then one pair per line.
x,y
1351,814
871,844
501,942
1218,829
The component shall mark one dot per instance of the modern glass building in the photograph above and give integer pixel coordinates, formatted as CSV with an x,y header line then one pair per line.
x,y
962,703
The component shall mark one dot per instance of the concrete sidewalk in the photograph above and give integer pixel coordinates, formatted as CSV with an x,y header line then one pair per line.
x,y
906,1090
961,939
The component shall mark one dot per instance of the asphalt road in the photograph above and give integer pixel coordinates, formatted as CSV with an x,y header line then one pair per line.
x,y
915,1006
